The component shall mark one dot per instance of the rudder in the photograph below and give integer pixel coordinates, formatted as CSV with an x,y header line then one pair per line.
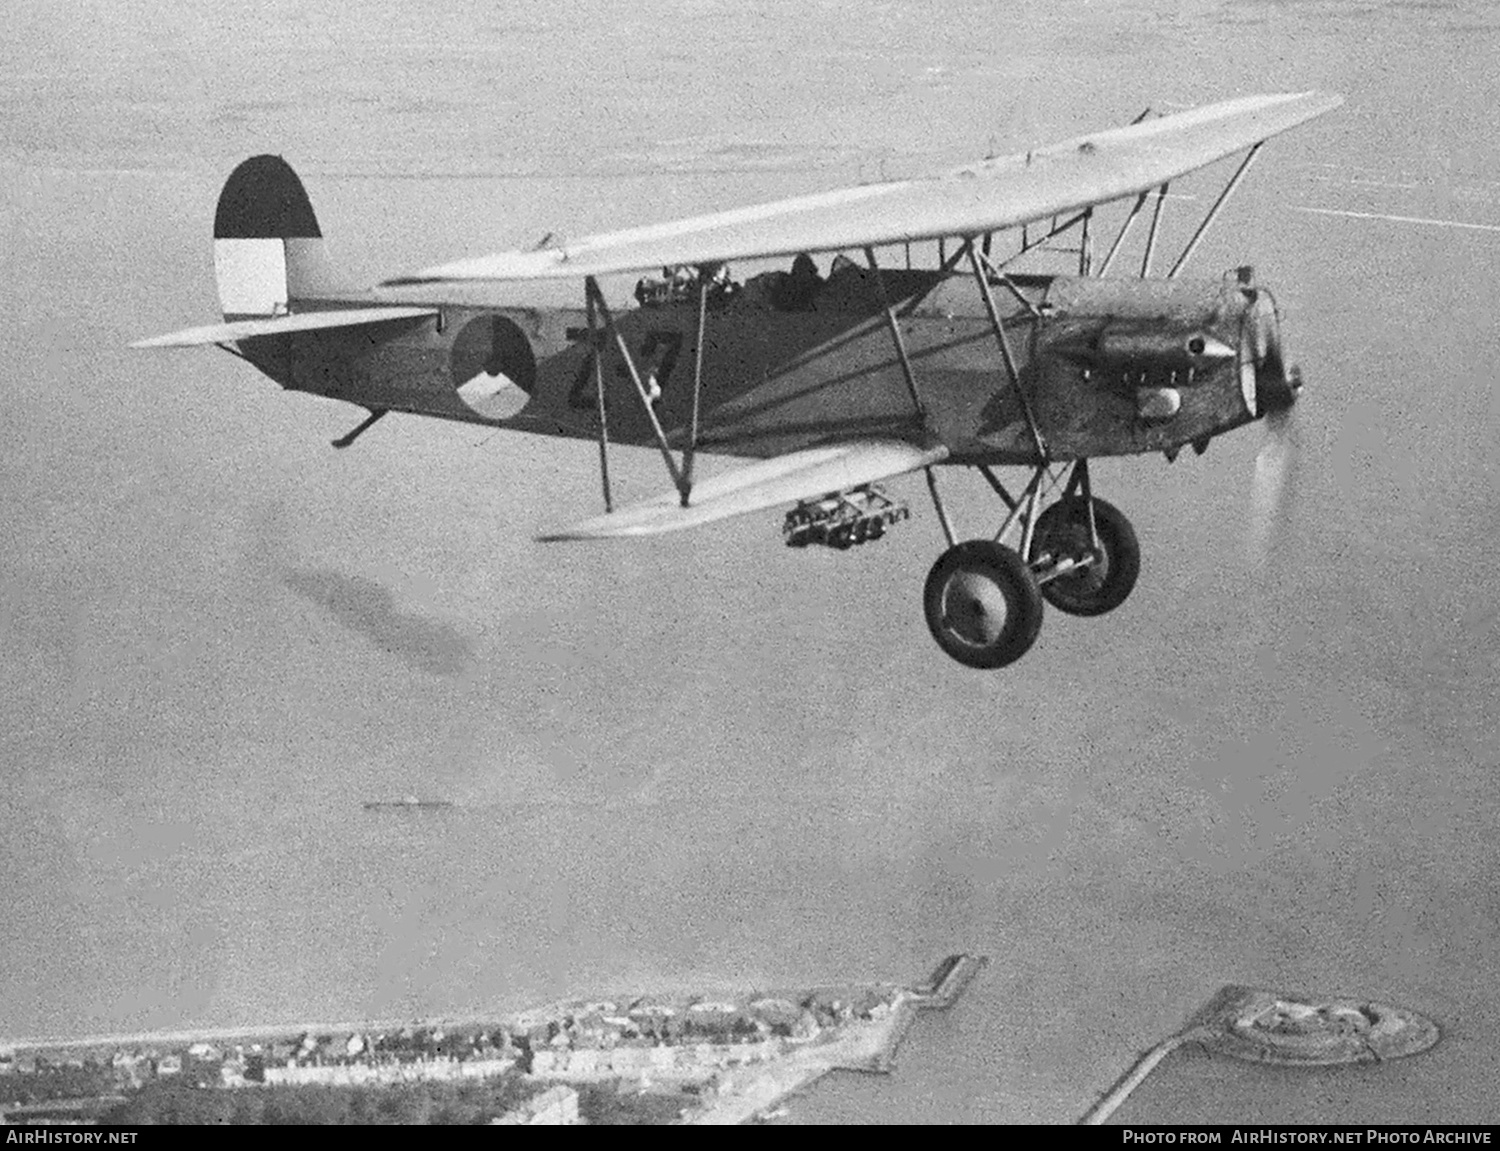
x,y
268,249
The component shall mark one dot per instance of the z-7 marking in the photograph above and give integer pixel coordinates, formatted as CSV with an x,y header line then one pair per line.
x,y
661,348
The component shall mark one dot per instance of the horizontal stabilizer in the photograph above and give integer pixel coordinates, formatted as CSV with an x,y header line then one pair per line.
x,y
989,196
280,325
801,475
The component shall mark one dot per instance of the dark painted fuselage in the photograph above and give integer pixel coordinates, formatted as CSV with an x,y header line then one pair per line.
x,y
1110,366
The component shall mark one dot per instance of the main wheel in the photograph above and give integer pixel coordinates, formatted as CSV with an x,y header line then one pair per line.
x,y
983,605
1062,531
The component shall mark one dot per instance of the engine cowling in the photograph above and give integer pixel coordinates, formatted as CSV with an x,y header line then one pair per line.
x,y
1122,366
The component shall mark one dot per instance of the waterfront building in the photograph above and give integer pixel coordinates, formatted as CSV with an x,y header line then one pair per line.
x,y
353,1073
690,1060
602,1007
709,1007
776,1011
650,1007
807,1027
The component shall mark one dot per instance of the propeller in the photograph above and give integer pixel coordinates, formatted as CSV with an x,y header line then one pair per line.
x,y
1276,389
1271,484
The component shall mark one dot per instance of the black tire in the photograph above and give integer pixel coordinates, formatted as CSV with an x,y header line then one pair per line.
x,y
983,605
1063,532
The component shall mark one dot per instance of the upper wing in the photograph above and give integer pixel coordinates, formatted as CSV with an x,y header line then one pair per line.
x,y
277,325
764,484
985,197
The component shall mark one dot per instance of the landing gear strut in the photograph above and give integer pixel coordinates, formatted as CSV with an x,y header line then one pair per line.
x,y
983,599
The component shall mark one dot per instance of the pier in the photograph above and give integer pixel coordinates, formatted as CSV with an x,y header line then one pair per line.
x,y
947,982
940,991
867,1047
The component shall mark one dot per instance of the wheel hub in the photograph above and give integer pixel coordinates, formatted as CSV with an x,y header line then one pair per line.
x,y
1072,543
975,608
982,604
1081,571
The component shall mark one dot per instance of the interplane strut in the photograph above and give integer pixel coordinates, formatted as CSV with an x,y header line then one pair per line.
x,y
1161,199
594,345
1213,212
704,275
980,266
896,337
599,313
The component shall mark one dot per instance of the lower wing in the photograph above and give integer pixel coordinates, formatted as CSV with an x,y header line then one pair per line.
x,y
784,479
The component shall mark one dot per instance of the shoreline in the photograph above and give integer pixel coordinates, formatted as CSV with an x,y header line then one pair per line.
x,y
868,1047
480,1019
744,1094
255,1031
843,1037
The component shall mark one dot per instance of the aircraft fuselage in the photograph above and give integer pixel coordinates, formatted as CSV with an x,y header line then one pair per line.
x,y
1110,366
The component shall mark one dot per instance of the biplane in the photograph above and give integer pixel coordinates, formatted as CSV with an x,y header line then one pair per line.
x,y
828,382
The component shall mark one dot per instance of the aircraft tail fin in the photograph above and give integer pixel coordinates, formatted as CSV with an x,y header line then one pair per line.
x,y
268,249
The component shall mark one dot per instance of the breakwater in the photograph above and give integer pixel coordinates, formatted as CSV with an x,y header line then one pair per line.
x,y
947,982
940,991
867,1046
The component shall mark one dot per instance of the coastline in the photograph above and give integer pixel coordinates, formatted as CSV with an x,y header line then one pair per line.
x,y
741,1057
867,1047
